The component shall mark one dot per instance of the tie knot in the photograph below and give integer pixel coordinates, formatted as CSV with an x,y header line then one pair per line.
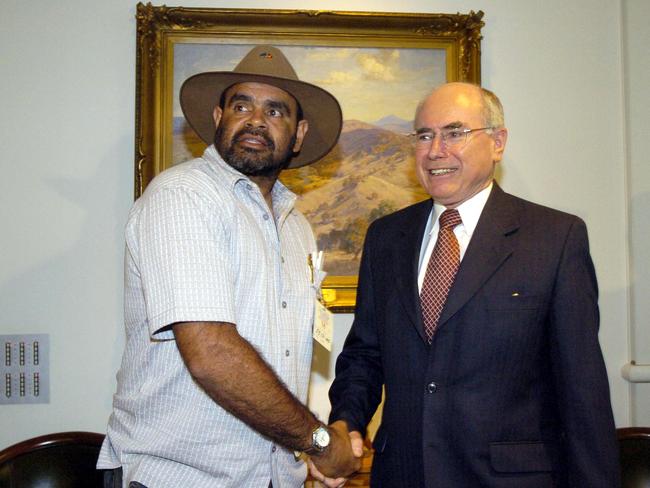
x,y
450,218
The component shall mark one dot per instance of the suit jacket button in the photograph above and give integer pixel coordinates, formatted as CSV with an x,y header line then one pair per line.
x,y
432,387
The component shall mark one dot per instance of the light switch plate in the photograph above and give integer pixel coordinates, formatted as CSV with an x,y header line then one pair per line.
x,y
25,368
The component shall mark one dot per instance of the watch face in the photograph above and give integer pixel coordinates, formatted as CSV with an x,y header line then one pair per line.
x,y
321,438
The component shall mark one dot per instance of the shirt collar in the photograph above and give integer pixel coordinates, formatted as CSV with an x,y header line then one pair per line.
x,y
470,210
224,170
283,198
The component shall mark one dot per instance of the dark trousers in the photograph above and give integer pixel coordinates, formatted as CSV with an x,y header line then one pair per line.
x,y
113,479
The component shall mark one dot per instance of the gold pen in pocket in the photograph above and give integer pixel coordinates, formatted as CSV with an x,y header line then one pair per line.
x,y
310,263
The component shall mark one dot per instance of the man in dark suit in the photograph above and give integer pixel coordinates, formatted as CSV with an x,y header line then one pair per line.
x,y
483,330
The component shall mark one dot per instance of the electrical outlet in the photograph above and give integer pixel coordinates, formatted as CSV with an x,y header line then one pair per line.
x,y
25,368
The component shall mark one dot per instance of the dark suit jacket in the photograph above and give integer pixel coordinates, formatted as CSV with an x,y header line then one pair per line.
x,y
513,391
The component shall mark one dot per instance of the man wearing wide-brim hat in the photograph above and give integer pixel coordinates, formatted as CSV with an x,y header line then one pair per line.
x,y
219,296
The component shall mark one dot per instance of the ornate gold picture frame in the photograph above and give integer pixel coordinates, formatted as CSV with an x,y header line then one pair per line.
x,y
377,64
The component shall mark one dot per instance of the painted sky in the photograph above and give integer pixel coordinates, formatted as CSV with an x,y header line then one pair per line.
x,y
370,83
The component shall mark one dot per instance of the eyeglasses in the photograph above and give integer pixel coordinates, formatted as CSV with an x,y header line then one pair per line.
x,y
449,137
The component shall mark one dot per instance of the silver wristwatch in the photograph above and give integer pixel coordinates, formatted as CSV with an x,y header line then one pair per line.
x,y
320,439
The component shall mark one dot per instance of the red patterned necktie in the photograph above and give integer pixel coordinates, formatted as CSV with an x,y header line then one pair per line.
x,y
441,271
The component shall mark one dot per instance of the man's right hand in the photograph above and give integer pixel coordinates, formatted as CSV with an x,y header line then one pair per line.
x,y
338,460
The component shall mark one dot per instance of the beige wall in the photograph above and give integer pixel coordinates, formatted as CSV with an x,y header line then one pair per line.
x,y
636,75
67,137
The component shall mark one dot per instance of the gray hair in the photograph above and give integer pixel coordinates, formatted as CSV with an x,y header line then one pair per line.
x,y
492,108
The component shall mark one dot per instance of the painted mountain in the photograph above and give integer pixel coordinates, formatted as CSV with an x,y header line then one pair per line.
x,y
369,173
395,124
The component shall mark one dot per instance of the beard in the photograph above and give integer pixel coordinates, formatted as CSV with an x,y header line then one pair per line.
x,y
253,162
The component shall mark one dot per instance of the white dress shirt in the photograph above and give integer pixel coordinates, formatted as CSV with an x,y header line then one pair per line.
x,y
469,211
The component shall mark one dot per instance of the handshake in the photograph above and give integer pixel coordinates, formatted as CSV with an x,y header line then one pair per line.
x,y
340,459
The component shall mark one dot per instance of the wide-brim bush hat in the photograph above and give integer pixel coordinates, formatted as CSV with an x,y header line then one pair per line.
x,y
201,93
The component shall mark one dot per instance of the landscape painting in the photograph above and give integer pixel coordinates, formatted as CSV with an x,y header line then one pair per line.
x,y
370,172
377,64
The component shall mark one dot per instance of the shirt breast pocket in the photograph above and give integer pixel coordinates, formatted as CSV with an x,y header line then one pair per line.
x,y
319,276
305,288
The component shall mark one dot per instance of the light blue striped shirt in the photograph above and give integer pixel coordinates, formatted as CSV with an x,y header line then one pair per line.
x,y
201,245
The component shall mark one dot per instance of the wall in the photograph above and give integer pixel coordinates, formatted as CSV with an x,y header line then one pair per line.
x,y
637,130
67,138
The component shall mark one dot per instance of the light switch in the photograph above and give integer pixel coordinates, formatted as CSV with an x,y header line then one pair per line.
x,y
25,369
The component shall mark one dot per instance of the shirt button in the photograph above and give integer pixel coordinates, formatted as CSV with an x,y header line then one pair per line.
x,y
286,353
432,387
273,449
284,304
248,186
265,216
282,258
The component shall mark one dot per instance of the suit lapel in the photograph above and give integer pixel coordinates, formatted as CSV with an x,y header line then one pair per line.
x,y
488,248
406,261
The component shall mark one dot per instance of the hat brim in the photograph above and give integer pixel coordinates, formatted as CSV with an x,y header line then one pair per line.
x,y
201,93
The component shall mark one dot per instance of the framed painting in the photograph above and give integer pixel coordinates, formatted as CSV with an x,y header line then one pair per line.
x,y
378,65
